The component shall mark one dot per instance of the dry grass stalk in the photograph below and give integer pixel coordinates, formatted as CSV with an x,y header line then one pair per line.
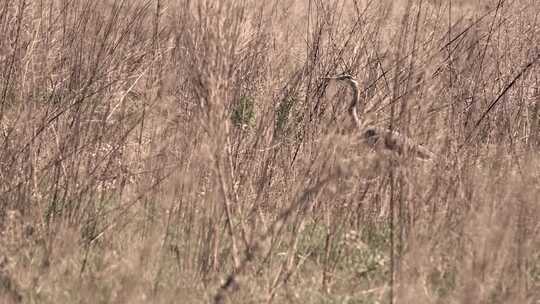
x,y
149,149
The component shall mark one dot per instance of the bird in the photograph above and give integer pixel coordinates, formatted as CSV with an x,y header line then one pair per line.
x,y
379,137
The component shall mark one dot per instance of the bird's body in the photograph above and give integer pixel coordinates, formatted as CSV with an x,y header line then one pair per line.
x,y
396,142
378,137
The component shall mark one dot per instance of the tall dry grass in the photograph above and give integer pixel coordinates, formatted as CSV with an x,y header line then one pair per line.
x,y
188,151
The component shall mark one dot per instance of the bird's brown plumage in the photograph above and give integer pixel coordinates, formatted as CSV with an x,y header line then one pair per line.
x,y
380,137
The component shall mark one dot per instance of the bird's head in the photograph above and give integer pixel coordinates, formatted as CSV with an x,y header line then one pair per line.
x,y
346,78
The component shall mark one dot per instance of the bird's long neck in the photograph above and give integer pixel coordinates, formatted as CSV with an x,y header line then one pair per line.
x,y
353,108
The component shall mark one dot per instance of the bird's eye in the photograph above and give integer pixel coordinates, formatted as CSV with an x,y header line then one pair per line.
x,y
370,133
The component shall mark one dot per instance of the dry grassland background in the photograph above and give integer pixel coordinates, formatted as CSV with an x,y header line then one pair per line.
x,y
189,152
